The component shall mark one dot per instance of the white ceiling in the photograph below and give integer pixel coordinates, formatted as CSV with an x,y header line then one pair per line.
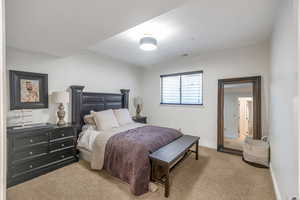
x,y
238,85
238,91
245,88
195,27
113,28
62,27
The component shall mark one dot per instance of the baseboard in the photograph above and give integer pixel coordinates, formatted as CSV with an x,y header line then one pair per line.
x,y
275,184
208,146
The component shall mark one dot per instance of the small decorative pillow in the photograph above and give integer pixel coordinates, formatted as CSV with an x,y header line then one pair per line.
x,y
89,120
105,120
88,127
123,116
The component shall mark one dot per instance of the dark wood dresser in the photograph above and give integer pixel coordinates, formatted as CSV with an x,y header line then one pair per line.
x,y
35,151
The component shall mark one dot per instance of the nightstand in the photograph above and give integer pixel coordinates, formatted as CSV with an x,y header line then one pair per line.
x,y
142,120
33,151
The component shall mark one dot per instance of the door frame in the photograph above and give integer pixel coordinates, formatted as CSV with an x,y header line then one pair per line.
x,y
256,88
3,104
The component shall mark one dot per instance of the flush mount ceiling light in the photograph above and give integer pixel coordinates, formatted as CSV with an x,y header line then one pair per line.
x,y
148,43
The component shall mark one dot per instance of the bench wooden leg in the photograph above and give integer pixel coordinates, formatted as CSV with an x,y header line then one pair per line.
x,y
152,170
197,149
167,183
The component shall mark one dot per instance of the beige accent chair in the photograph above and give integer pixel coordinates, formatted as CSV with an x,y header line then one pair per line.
x,y
256,151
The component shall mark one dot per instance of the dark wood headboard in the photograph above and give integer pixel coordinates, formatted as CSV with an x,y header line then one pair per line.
x,y
84,102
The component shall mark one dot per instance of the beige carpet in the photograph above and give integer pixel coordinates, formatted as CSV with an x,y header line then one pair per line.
x,y
215,176
236,143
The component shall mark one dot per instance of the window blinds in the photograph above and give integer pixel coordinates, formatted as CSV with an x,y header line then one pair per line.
x,y
171,89
182,88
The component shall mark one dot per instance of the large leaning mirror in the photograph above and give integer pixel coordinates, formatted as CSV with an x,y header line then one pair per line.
x,y
239,112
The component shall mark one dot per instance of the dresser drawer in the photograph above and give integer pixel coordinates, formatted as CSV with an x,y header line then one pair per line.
x,y
62,155
28,139
28,166
62,144
31,152
44,161
62,133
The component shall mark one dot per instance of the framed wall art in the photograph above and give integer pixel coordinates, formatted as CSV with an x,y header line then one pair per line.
x,y
28,90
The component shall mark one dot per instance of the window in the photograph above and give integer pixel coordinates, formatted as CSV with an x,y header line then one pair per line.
x,y
182,88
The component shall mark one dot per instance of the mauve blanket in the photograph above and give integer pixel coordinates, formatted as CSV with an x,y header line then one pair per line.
x,y
127,154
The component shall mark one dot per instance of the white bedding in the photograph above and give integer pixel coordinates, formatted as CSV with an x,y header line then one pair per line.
x,y
94,141
87,137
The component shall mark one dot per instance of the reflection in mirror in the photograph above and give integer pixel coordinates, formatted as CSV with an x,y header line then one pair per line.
x,y
238,114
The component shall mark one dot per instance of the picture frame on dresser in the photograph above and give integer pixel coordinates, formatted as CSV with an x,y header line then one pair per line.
x,y
28,90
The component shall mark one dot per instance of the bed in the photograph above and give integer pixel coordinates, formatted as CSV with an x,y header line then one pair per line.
x,y
124,151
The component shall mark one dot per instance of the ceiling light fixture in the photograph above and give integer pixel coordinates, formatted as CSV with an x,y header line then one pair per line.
x,y
148,43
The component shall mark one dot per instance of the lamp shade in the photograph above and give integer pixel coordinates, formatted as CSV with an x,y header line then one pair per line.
x,y
60,97
137,101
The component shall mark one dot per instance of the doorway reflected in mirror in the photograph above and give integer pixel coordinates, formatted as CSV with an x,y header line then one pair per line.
x,y
238,114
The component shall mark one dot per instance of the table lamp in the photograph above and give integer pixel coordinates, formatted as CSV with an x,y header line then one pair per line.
x,y
61,98
138,104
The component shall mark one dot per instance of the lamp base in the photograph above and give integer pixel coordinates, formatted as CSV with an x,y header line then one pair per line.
x,y
138,111
137,116
61,123
61,115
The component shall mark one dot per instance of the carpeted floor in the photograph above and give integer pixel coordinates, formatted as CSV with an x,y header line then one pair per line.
x,y
215,176
236,143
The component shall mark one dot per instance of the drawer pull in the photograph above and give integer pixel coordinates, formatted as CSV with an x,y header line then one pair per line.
x,y
62,156
62,134
31,140
30,166
30,153
62,145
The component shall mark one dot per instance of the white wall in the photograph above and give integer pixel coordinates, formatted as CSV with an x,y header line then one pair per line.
x,y
283,93
202,120
96,73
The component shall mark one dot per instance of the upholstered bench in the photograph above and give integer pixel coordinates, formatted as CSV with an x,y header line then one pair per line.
x,y
169,156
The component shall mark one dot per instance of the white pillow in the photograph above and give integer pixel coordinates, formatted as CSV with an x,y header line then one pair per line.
x,y
123,116
105,120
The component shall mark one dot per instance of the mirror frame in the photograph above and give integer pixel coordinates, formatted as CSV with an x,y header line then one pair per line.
x,y
256,88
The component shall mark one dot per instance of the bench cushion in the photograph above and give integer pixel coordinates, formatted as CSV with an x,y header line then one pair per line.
x,y
172,151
